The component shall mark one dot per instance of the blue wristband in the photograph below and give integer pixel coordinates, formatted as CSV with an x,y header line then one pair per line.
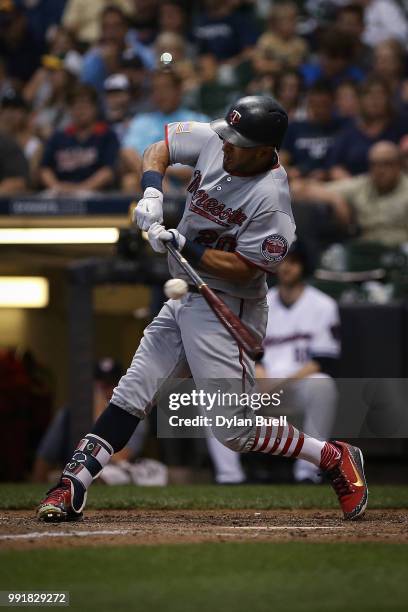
x,y
151,178
193,251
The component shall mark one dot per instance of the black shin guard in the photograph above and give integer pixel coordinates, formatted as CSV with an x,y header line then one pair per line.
x,y
116,426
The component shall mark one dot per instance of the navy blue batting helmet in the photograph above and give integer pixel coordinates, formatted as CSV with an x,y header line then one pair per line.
x,y
253,121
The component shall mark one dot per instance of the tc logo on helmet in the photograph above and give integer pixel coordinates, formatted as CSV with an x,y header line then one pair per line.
x,y
274,247
234,117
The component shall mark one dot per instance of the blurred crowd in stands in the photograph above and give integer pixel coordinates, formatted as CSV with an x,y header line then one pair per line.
x,y
87,85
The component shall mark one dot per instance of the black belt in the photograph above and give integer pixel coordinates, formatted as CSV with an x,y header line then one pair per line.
x,y
194,289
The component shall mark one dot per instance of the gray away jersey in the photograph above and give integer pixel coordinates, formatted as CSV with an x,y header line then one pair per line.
x,y
250,216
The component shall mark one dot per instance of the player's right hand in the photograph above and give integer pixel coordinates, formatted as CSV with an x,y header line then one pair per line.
x,y
150,209
158,235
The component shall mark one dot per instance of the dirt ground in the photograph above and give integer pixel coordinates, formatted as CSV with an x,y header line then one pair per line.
x,y
20,530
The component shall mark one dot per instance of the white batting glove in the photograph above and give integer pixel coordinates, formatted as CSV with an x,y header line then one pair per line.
x,y
149,209
158,235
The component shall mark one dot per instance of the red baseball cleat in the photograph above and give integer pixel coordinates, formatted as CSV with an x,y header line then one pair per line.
x,y
57,505
348,480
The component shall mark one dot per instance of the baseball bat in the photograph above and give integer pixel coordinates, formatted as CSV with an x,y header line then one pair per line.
x,y
238,330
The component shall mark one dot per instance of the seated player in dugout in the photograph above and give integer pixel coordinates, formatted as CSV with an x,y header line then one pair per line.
x,y
236,227
302,348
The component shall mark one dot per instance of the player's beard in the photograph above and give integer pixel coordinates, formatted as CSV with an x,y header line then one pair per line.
x,y
226,166
230,167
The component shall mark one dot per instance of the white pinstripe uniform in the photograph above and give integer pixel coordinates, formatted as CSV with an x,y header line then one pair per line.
x,y
296,334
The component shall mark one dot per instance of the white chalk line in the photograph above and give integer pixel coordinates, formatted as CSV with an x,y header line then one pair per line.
x,y
64,534
283,527
36,535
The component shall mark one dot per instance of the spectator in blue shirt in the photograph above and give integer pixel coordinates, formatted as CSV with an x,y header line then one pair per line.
x,y
147,128
84,156
335,62
376,121
223,31
105,58
306,144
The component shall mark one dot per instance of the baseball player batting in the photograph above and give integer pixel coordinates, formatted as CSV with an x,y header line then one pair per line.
x,y
236,227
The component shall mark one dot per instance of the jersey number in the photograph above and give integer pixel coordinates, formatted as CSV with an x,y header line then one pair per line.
x,y
302,354
210,238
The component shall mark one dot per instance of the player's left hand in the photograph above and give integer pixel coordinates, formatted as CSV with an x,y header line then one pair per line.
x,y
158,235
149,209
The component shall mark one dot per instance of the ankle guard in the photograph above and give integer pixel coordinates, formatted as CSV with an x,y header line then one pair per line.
x,y
88,460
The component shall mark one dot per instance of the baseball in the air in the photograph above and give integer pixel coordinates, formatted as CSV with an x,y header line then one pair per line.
x,y
175,288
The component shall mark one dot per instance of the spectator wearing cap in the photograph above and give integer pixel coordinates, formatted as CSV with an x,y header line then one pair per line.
x,y
14,170
376,201
118,113
48,92
377,120
307,142
117,103
18,46
133,68
50,77
84,156
147,128
104,58
15,121
62,55
54,448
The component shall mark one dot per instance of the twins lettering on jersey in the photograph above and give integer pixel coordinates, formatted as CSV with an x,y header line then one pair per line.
x,y
68,160
211,208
